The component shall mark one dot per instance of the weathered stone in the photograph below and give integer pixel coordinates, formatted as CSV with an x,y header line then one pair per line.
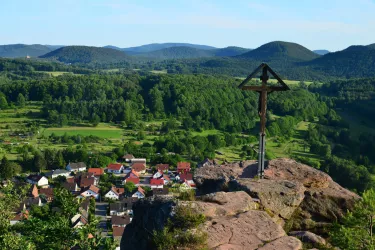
x,y
308,237
288,169
223,204
247,230
213,178
325,201
279,197
283,243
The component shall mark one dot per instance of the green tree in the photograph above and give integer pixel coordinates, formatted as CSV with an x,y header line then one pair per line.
x,y
39,162
3,101
95,120
356,230
21,100
6,171
129,187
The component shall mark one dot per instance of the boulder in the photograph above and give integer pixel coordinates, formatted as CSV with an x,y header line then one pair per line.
x,y
325,201
309,237
224,204
278,197
247,230
214,178
283,243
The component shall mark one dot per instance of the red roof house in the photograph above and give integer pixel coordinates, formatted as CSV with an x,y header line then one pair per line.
x,y
115,168
162,167
183,167
133,176
139,167
96,171
156,183
186,176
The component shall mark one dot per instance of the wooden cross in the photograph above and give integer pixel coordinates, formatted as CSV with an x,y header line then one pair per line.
x,y
263,90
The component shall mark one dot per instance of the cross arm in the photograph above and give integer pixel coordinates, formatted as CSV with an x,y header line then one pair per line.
x,y
261,88
251,76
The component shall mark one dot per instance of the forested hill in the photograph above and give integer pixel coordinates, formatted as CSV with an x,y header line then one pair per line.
x,y
158,46
231,51
23,50
280,51
183,52
178,53
355,61
85,54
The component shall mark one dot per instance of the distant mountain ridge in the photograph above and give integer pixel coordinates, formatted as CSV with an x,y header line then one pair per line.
x,y
23,50
86,54
321,52
158,46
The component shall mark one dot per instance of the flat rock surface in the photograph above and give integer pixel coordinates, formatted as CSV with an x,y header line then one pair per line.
x,y
283,243
280,197
248,230
223,204
288,169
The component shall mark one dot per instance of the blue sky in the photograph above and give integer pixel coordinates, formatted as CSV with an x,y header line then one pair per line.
x,y
315,24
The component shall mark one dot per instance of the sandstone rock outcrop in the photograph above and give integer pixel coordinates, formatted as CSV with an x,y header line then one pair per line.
x,y
284,243
279,197
252,216
322,201
224,204
309,237
214,178
249,230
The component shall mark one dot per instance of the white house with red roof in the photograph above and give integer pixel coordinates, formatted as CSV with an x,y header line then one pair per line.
x,y
115,168
91,191
140,194
114,193
133,176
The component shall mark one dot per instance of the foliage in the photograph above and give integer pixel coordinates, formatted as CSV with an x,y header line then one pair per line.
x,y
129,187
181,231
356,230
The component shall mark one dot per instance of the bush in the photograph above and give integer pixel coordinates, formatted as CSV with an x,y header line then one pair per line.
x,y
179,232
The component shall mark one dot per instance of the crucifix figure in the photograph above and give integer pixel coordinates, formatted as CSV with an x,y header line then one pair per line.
x,y
263,90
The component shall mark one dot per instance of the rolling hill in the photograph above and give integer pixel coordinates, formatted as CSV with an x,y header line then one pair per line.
x,y
231,51
177,53
280,51
159,46
85,54
321,51
354,61
23,50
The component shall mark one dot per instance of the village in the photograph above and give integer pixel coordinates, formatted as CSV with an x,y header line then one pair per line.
x,y
114,190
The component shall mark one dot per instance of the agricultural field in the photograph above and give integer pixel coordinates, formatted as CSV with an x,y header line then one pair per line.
x,y
102,130
57,73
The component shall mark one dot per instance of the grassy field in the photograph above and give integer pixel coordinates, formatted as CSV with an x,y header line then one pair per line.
x,y
288,82
57,73
102,131
159,71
